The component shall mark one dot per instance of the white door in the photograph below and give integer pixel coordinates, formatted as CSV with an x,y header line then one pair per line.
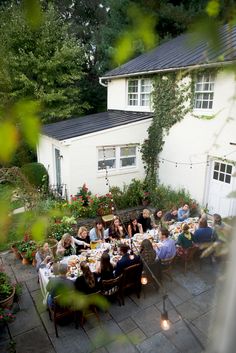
x,y
221,183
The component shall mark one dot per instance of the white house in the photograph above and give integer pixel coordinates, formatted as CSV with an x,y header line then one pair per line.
x,y
199,153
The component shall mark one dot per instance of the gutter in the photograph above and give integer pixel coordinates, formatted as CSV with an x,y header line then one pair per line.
x,y
102,83
165,70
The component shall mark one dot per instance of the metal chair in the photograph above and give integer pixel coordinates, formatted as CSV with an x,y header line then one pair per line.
x,y
187,256
112,288
91,309
132,279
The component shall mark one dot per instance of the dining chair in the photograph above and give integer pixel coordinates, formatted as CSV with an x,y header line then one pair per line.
x,y
90,309
166,267
131,280
187,257
111,288
59,311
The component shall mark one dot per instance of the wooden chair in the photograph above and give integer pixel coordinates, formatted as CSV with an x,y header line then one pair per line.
x,y
187,257
131,279
57,312
112,288
90,309
166,267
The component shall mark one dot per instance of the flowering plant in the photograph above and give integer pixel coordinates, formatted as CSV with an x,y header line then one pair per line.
x,y
84,194
6,315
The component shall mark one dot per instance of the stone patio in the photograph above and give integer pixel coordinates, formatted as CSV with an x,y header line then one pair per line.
x,y
133,328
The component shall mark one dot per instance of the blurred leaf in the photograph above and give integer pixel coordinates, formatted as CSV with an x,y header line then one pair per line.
x,y
4,218
39,229
213,8
206,29
8,141
232,194
27,113
140,33
32,11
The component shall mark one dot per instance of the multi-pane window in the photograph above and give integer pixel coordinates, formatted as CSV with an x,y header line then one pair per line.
x,y
107,158
127,156
222,172
117,157
139,91
204,92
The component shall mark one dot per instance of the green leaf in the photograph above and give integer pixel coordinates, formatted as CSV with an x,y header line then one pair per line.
x,y
39,228
213,8
8,141
32,11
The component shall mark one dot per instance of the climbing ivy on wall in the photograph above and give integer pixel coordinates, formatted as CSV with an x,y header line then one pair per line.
x,y
173,98
171,101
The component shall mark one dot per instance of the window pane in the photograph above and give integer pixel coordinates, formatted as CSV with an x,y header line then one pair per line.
x,y
210,105
222,167
128,151
109,163
222,177
133,86
205,104
145,99
215,175
229,169
106,153
130,161
227,179
217,166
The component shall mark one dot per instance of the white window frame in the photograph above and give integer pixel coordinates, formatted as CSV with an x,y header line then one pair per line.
x,y
118,158
139,92
204,92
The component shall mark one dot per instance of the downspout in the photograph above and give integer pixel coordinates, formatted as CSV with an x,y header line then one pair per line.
x,y
102,83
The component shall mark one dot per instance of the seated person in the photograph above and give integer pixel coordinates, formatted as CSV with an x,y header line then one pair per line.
x,y
115,230
204,234
158,218
83,236
87,283
66,246
148,256
98,232
183,213
59,285
185,240
145,220
43,256
126,259
165,249
171,216
134,227
147,252
105,269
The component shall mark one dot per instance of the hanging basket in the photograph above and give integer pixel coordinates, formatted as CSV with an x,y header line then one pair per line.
x,y
8,302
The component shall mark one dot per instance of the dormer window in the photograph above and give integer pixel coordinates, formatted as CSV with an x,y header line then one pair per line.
x,y
204,92
139,91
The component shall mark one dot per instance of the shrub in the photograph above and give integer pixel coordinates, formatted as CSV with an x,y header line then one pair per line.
x,y
36,173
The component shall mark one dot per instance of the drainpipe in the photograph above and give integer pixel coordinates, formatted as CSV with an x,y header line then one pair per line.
x,y
102,83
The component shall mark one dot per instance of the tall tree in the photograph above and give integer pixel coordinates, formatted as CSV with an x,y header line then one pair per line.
x,y
44,64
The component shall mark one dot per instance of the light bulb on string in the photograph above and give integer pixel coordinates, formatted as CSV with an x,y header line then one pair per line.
x,y
165,322
144,279
191,166
176,165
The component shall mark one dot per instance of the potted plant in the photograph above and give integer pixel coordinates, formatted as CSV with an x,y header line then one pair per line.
x,y
7,291
6,316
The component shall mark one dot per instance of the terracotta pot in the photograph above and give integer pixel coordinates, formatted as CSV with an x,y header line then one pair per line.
x,y
16,252
7,303
25,261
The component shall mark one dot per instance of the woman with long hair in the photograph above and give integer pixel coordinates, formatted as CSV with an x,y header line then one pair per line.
x,y
147,252
98,233
43,256
66,246
116,230
185,240
134,227
105,268
87,282
83,236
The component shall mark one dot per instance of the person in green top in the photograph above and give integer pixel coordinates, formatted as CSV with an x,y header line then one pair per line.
x,y
185,240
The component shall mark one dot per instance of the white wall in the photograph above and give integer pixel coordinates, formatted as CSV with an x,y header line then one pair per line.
x,y
84,158
193,139
80,158
117,96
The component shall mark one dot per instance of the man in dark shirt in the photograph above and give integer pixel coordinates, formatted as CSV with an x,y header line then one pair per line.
x,y
171,216
126,260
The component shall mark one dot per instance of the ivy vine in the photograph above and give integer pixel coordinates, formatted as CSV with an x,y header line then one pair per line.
x,y
171,93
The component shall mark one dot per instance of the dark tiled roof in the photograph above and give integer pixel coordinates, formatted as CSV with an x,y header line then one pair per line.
x,y
66,129
179,53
